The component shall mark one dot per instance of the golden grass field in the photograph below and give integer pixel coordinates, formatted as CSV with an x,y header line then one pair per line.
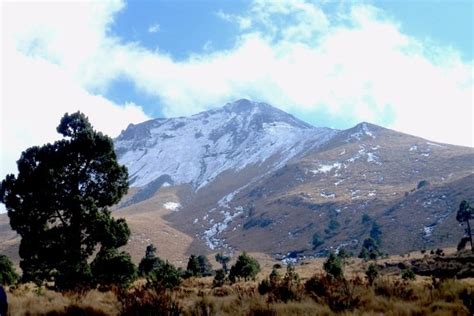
x,y
389,295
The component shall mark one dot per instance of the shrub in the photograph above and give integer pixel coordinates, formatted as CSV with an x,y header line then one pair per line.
x,y
150,261
366,219
146,301
166,276
205,268
285,289
8,275
246,267
222,259
371,273
334,266
422,183
370,250
408,274
193,269
316,241
219,278
111,267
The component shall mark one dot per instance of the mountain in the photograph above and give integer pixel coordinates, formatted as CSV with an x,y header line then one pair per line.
x,y
248,176
251,177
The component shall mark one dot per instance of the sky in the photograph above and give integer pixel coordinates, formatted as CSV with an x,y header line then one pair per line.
x,y
405,65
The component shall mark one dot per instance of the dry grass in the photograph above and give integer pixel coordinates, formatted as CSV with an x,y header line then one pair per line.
x,y
28,299
388,296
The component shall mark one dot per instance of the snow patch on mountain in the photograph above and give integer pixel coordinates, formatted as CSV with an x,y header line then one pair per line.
x,y
196,149
172,206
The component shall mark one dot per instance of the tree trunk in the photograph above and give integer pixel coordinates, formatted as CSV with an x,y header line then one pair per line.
x,y
470,235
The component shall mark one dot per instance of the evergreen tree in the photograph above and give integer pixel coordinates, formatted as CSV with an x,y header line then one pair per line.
x,y
205,268
246,267
111,267
193,268
58,203
334,266
165,277
370,250
150,262
464,214
222,259
375,232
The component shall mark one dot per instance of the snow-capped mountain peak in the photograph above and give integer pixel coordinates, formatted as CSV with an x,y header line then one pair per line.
x,y
195,150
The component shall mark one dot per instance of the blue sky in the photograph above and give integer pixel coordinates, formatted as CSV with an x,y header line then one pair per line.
x,y
406,65
182,29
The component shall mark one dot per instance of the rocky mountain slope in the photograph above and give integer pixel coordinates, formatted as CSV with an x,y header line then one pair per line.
x,y
251,177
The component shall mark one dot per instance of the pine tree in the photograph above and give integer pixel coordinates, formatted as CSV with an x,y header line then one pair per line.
x,y
58,203
464,214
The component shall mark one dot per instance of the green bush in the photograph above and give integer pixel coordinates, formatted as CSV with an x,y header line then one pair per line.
x,y
316,241
193,269
334,266
219,278
150,262
166,276
408,274
113,268
246,267
8,275
371,273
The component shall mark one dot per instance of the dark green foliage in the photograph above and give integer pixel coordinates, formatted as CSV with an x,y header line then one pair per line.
x,y
222,259
166,276
371,273
316,241
370,250
264,287
408,274
246,267
205,268
8,274
150,262
111,267
219,278
344,255
366,219
58,203
333,224
422,183
375,232
193,268
464,214
281,289
462,243
334,266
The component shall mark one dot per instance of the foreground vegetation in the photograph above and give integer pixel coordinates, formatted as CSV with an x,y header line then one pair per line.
x,y
314,288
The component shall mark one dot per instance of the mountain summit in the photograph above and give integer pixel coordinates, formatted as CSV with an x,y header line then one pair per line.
x,y
195,150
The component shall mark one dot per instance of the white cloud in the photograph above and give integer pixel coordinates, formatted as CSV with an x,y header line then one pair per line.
x,y
365,69
354,64
155,28
41,78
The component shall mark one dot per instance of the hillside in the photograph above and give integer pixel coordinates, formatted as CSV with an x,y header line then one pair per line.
x,y
248,176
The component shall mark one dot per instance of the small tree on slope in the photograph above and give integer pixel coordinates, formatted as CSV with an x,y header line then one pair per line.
x,y
464,214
